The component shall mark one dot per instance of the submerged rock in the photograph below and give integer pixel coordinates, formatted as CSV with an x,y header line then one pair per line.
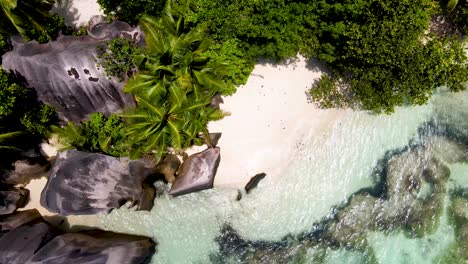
x,y
12,199
252,184
198,172
95,247
87,183
65,74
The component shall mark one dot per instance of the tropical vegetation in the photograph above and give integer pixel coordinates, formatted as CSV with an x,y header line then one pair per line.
x,y
98,134
174,88
131,11
120,58
377,50
30,18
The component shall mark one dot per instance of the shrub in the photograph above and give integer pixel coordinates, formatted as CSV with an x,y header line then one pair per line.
x,y
120,58
99,134
20,110
131,11
52,26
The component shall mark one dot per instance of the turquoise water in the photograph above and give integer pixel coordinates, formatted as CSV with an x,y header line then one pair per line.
x,y
305,217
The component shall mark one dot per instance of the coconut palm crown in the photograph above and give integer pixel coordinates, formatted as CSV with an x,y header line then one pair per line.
x,y
175,87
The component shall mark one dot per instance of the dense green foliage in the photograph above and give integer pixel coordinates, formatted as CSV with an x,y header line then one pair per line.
x,y
131,10
99,134
20,110
52,26
120,58
173,89
375,48
27,17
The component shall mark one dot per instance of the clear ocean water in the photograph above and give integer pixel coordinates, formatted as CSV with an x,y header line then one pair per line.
x,y
326,172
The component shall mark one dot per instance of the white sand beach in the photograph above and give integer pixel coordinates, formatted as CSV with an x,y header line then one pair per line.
x,y
269,118
77,12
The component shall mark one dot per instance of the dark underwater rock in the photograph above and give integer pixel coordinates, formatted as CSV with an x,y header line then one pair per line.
x,y
65,74
95,246
87,183
253,182
12,199
198,172
19,244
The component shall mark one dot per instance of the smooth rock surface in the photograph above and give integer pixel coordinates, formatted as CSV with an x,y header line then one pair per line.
x,y
25,170
83,183
95,247
12,199
198,172
18,245
65,73
17,219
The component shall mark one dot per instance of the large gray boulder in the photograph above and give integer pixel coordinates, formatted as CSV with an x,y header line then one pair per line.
x,y
25,237
12,199
82,183
65,73
19,244
95,247
198,172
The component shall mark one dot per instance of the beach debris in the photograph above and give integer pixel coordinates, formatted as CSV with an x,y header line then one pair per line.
x,y
12,199
198,172
252,184
65,74
82,183
25,237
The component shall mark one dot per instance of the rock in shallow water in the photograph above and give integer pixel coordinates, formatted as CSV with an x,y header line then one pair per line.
x,y
198,172
83,183
65,73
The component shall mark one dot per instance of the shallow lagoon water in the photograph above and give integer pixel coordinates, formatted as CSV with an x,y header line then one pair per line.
x,y
324,172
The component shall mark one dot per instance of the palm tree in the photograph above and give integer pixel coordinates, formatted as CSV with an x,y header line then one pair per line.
x,y
174,89
24,15
6,137
452,4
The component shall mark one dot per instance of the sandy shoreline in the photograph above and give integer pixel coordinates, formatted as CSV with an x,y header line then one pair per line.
x,y
270,117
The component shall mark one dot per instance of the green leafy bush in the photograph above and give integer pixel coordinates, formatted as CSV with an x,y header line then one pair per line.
x,y
374,46
52,26
20,110
131,10
120,58
99,134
